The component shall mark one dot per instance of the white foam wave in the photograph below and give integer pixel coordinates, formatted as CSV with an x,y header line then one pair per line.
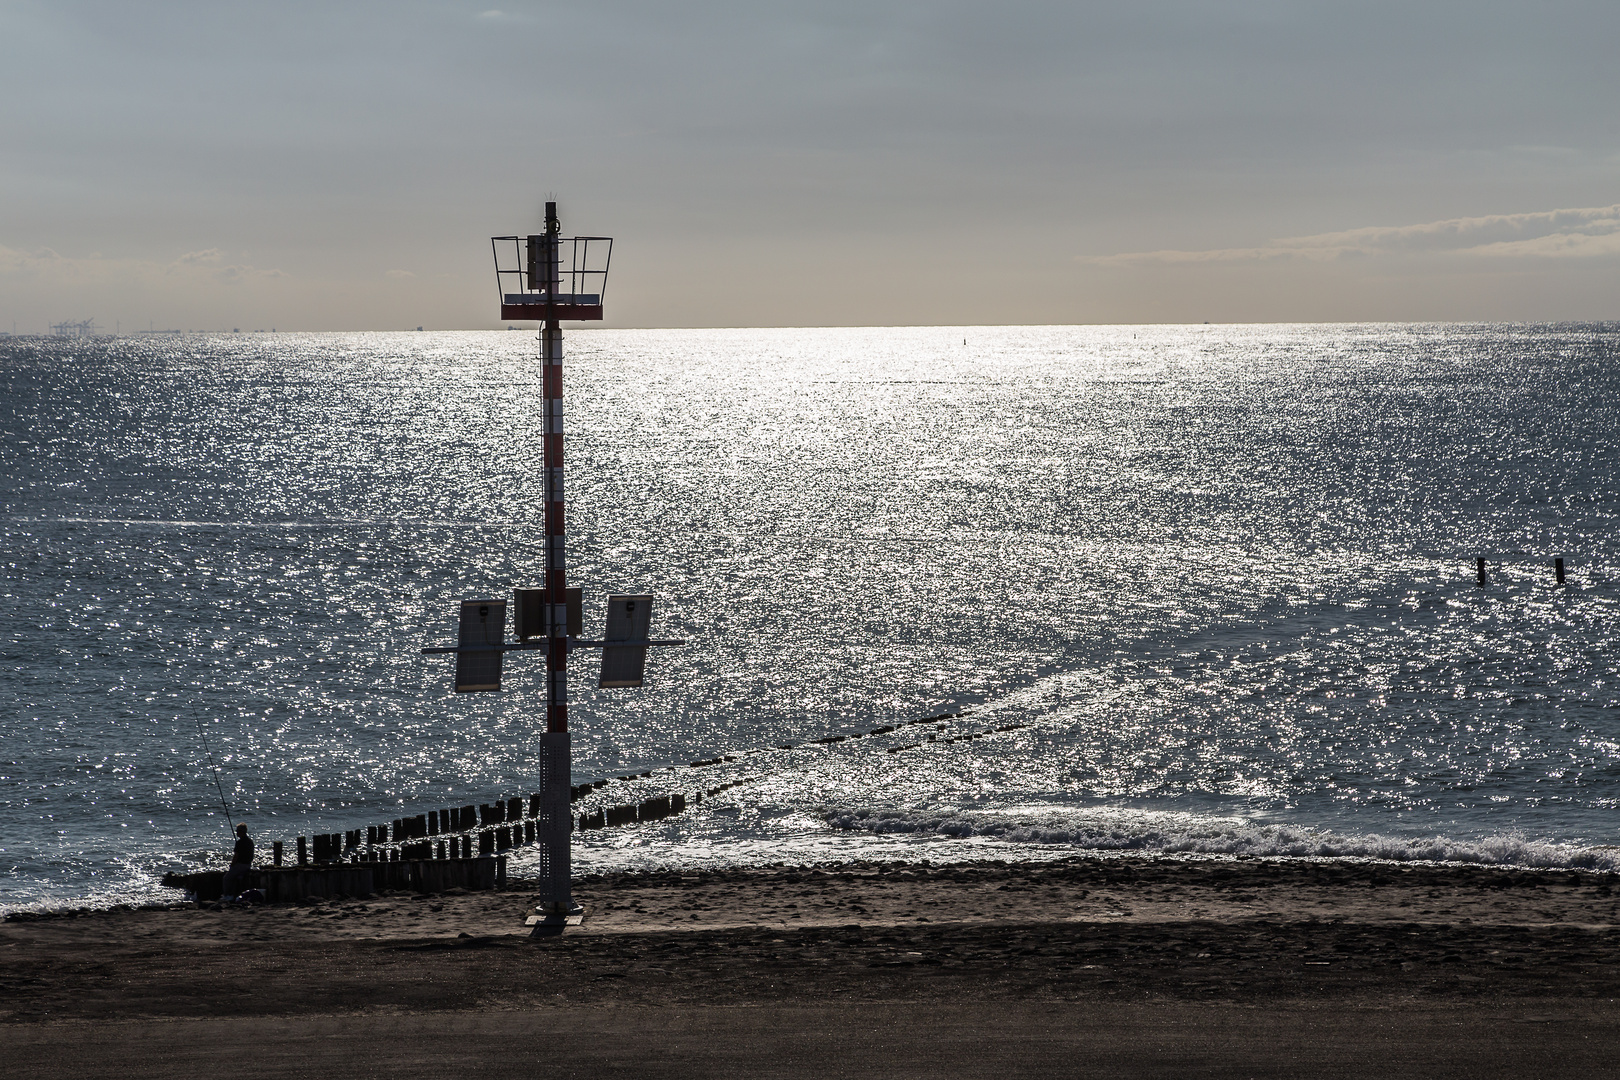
x,y
1116,830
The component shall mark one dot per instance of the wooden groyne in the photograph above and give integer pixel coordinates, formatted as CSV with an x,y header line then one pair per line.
x,y
467,832
465,846
288,885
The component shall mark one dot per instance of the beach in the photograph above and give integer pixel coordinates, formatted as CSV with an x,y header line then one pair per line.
x,y
1091,966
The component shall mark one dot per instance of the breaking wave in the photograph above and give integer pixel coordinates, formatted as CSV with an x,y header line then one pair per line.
x,y
1189,834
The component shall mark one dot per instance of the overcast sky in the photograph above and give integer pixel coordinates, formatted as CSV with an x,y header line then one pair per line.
x,y
342,165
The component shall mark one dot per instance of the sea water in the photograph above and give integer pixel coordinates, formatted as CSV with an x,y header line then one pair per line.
x,y
1217,583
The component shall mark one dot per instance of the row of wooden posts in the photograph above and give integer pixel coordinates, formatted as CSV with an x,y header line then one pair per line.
x,y
282,885
487,829
469,831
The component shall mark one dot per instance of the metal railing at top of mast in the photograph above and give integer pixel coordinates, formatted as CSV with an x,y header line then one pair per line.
x,y
579,266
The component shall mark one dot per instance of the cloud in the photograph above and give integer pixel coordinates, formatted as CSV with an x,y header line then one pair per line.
x,y
14,261
230,275
47,265
1589,232
399,274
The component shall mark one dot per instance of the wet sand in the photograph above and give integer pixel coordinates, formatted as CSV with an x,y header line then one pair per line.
x,y
1116,967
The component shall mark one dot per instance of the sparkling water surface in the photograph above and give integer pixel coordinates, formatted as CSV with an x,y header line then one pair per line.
x,y
1222,576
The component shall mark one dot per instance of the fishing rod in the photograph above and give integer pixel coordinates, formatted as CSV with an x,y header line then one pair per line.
x,y
197,714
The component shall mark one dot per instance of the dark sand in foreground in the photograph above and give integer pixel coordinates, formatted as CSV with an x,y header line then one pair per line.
x,y
1092,967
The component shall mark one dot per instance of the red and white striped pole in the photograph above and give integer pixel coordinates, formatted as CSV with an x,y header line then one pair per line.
x,y
556,764
556,568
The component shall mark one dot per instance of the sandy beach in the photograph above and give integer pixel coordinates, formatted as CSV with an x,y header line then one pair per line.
x,y
1088,967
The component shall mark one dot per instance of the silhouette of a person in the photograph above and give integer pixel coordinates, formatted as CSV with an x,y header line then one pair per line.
x,y
236,878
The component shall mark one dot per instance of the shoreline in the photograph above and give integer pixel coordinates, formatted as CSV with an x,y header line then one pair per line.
x,y
167,898
1133,865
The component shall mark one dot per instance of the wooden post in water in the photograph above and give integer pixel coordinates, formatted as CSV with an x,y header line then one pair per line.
x,y
275,853
1558,569
1479,565
303,852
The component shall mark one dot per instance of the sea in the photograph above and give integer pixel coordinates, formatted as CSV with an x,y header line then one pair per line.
x,y
1145,591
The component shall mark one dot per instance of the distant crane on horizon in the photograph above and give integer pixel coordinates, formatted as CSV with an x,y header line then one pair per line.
x,y
84,329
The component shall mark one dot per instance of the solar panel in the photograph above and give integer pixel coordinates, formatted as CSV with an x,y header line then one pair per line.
x,y
483,622
629,619
529,613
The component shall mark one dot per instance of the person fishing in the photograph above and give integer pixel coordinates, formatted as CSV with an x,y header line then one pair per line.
x,y
236,878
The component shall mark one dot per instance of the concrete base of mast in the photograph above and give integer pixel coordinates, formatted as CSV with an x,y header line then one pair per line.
x,y
557,906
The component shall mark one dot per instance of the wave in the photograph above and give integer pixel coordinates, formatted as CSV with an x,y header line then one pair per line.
x,y
310,523
1188,834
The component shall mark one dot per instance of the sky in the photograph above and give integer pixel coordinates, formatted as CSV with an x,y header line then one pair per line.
x,y
342,165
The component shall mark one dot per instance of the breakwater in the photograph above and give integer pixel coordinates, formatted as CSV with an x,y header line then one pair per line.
x,y
359,880
478,830
465,846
